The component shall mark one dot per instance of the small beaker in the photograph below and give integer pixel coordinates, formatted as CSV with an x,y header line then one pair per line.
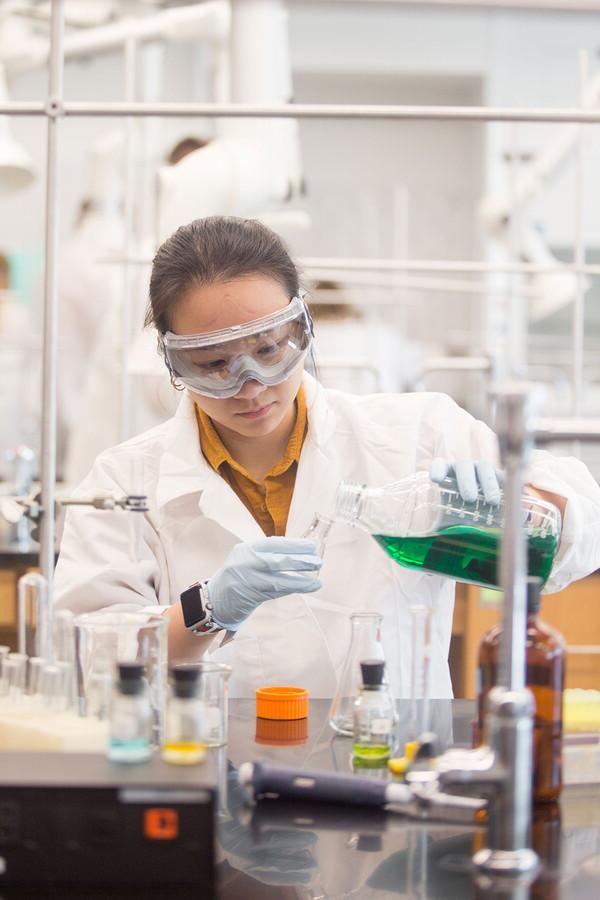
x,y
214,696
317,531
365,643
105,639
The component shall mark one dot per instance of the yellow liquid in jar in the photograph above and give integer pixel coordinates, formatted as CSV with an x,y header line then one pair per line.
x,y
183,753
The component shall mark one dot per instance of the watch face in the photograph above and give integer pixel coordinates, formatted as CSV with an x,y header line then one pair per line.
x,y
191,604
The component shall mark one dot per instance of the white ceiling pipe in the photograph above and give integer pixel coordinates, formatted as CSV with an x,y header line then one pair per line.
x,y
207,20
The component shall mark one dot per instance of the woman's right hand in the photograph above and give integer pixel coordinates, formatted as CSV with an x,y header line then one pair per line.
x,y
261,570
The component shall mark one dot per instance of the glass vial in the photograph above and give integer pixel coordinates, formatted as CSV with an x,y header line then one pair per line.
x,y
131,716
183,744
545,677
373,715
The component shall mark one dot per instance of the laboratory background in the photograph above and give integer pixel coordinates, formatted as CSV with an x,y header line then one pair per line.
x,y
434,170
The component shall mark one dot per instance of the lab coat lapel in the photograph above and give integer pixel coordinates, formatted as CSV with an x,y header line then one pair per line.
x,y
184,470
219,502
318,470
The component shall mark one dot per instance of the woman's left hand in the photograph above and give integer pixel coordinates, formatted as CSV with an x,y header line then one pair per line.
x,y
472,477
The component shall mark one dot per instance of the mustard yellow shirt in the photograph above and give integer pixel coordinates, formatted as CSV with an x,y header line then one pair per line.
x,y
269,500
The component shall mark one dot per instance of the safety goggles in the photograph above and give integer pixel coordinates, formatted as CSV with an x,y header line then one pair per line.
x,y
218,363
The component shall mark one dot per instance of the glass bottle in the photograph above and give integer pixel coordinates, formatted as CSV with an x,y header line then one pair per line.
x,y
429,527
365,643
183,745
545,676
373,715
131,716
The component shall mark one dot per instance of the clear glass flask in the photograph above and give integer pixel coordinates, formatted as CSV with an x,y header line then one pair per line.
x,y
365,643
429,527
214,696
318,531
103,639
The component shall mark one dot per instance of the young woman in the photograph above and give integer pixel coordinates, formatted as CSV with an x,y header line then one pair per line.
x,y
256,447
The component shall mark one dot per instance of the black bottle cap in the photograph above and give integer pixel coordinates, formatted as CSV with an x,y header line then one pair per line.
x,y
131,678
534,589
372,672
184,680
428,746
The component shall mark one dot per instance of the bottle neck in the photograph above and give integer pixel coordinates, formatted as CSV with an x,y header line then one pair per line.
x,y
411,505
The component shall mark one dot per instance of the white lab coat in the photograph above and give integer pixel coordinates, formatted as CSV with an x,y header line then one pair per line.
x,y
195,519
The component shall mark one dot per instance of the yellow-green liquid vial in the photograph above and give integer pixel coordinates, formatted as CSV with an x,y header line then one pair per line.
x,y
183,753
468,554
370,755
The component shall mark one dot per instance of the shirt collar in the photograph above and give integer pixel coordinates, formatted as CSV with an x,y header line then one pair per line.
x,y
217,454
184,470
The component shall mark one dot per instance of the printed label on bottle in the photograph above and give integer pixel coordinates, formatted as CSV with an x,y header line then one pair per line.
x,y
380,726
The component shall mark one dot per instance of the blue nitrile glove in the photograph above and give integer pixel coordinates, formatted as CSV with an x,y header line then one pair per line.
x,y
470,475
261,570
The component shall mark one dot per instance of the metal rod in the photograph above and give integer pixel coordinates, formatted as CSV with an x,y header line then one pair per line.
x,y
316,111
404,265
128,202
50,347
548,431
516,311
539,5
578,321
515,444
21,108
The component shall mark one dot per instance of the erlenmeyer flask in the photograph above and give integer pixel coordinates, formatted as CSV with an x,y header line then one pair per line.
x,y
318,531
365,643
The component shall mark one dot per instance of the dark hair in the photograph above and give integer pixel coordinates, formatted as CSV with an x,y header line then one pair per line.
x,y
217,248
184,147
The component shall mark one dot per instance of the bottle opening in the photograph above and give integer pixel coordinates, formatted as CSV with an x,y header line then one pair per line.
x,y
348,501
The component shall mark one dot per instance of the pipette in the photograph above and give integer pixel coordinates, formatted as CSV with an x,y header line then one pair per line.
x,y
421,669
265,780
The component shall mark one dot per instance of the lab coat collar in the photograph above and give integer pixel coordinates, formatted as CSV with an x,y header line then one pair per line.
x,y
183,470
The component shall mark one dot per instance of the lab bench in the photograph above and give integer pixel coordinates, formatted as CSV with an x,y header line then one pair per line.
x,y
280,850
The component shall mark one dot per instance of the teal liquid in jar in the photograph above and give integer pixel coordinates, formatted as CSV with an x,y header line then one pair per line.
x,y
468,554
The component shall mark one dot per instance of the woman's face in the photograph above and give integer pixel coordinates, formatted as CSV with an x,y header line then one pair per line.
x,y
257,409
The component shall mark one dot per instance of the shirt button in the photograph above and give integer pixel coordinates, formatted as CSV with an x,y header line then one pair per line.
x,y
263,506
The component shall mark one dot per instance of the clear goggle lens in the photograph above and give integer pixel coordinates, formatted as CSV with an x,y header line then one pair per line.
x,y
220,369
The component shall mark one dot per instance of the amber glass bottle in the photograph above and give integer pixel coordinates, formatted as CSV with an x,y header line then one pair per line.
x,y
545,674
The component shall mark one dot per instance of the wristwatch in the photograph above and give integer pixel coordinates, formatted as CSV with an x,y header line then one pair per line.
x,y
197,611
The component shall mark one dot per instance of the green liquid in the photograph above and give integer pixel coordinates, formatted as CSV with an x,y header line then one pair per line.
x,y
467,554
367,755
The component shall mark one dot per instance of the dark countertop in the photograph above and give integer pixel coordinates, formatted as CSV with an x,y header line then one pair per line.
x,y
333,852
280,850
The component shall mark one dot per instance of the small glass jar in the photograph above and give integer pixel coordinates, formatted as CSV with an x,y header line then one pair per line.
x,y
183,745
374,715
131,717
